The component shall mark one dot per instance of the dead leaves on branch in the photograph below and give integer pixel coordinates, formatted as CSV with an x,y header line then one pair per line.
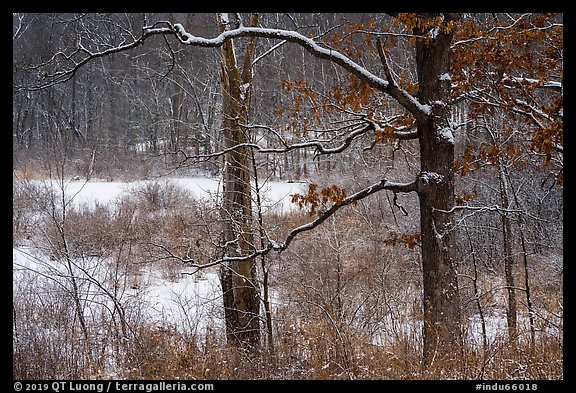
x,y
410,240
309,106
509,65
464,196
546,140
475,158
353,96
317,201
486,53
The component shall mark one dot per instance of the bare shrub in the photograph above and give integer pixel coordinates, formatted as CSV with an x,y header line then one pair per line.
x,y
31,199
22,213
344,293
46,343
159,196
346,299
161,352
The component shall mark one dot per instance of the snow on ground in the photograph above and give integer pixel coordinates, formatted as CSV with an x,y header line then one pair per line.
x,y
190,303
275,195
496,328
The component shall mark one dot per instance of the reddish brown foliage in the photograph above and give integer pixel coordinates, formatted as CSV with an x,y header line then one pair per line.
x,y
317,200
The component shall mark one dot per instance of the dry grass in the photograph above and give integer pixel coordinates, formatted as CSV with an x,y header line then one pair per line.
x,y
312,353
27,173
345,306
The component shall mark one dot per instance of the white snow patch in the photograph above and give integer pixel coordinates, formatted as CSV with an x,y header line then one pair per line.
x,y
35,273
445,77
551,84
446,135
146,146
275,195
191,303
224,17
243,90
439,103
431,177
425,108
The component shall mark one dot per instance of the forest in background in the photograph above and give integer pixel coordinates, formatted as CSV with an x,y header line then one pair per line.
x,y
344,300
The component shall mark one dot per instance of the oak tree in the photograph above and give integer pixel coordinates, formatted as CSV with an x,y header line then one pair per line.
x,y
399,79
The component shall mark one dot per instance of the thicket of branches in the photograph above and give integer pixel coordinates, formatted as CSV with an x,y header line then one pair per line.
x,y
338,101
345,300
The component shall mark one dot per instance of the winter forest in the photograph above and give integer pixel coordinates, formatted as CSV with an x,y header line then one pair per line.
x,y
288,196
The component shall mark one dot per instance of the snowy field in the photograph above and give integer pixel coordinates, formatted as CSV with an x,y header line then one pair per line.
x,y
187,302
190,303
275,195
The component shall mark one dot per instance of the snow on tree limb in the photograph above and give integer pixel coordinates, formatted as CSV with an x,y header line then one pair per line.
x,y
402,96
318,145
273,245
383,184
82,56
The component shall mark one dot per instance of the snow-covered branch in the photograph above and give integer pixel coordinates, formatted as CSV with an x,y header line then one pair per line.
x,y
403,97
381,185
494,208
81,56
552,85
491,33
318,144
273,245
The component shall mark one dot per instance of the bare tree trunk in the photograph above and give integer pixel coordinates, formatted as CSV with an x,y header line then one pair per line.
x,y
239,284
441,331
63,251
265,278
176,112
526,274
511,314
477,295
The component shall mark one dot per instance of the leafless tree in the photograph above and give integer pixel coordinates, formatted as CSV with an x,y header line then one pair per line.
x,y
377,100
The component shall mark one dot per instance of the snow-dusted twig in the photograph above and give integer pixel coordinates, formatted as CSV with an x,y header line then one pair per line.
x,y
318,145
383,184
493,208
273,245
82,56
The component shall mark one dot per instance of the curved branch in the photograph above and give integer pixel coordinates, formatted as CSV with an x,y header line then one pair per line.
x,y
384,62
287,147
383,184
400,95
403,97
272,245
67,74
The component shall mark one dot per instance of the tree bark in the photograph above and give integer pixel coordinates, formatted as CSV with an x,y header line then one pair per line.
x,y
239,284
511,315
441,330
